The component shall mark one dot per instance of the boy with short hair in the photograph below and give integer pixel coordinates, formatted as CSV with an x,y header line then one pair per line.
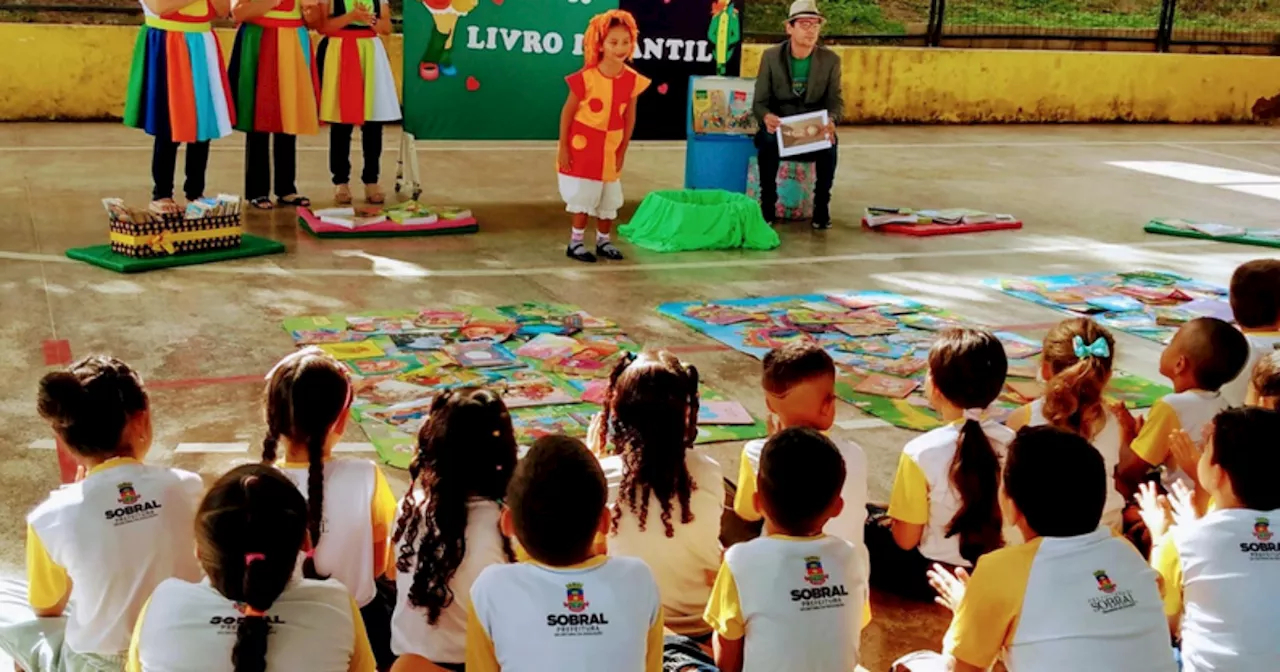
x,y
793,598
1264,383
1204,355
1073,597
564,610
799,385
1222,572
1255,304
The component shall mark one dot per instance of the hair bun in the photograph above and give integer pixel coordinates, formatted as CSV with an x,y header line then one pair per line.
x,y
62,397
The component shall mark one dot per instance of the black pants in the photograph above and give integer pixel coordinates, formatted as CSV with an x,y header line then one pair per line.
x,y
895,571
340,152
377,622
259,151
164,160
824,163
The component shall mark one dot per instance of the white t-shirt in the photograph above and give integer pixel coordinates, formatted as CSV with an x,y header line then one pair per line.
x,y
1191,411
922,491
797,601
114,536
1107,443
682,564
1063,604
446,641
851,522
356,501
1260,345
190,627
1222,573
602,614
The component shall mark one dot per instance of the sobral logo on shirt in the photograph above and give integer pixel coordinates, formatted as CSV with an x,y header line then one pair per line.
x,y
228,625
134,508
821,596
1263,548
1113,598
577,622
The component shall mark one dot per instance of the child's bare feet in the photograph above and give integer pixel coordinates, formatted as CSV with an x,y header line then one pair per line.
x,y
373,194
342,194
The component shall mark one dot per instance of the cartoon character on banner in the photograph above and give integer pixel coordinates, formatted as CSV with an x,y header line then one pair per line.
x,y
438,59
724,32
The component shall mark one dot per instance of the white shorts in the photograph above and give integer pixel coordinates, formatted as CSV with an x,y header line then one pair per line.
x,y
591,197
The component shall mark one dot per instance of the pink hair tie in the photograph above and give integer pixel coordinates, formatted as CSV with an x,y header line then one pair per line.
x,y
250,558
311,554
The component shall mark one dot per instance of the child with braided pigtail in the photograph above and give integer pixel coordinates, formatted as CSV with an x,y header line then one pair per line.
x,y
308,397
651,418
449,529
250,530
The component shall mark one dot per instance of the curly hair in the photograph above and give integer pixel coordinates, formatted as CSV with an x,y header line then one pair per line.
x,y
650,414
1073,395
466,450
598,29
307,392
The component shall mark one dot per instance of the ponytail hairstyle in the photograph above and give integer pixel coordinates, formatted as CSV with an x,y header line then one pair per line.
x,y
90,406
598,29
307,393
968,368
1079,353
249,530
651,416
466,450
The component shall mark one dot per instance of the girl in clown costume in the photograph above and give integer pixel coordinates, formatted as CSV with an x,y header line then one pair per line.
x,y
178,91
274,83
356,89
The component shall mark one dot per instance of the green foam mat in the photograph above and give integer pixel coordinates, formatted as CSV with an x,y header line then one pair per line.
x,y
417,233
1157,226
101,255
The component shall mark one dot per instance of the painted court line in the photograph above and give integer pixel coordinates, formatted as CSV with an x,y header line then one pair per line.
x,y
583,269
863,423
42,444
233,447
351,447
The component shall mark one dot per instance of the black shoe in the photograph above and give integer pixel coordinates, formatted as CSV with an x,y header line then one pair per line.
x,y
770,215
578,252
820,224
606,250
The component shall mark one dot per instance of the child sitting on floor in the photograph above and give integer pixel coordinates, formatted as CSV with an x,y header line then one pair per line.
x,y
308,399
792,599
595,131
96,548
943,507
1264,384
567,610
1222,572
448,529
1204,355
250,530
1076,361
1255,304
800,390
1073,597
666,496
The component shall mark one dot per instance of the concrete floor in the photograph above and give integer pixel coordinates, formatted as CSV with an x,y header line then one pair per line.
x,y
204,336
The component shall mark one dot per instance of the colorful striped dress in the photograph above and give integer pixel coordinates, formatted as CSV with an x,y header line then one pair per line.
x,y
273,75
356,84
178,87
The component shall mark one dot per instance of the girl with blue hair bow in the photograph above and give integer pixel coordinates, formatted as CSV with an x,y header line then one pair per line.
x,y
1076,366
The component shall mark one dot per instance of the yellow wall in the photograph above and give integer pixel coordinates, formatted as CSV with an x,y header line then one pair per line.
x,y
81,72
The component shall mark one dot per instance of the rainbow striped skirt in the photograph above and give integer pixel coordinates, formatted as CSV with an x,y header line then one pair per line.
x,y
178,86
356,84
274,80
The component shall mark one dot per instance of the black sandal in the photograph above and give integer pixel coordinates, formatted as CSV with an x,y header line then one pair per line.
x,y
261,203
294,201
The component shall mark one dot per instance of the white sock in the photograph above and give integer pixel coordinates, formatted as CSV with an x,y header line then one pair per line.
x,y
577,236
601,238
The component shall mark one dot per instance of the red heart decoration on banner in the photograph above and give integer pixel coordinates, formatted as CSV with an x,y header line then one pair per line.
x,y
473,84
662,89
497,2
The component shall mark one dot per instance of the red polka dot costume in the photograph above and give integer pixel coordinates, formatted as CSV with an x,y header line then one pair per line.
x,y
591,185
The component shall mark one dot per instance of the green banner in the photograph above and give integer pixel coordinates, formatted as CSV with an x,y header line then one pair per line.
x,y
491,69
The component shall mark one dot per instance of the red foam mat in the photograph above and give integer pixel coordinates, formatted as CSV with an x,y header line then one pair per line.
x,y
943,229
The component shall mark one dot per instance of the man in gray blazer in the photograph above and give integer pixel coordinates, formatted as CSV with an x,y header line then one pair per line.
x,y
795,77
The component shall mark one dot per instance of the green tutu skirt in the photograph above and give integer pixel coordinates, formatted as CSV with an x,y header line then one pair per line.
x,y
699,219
